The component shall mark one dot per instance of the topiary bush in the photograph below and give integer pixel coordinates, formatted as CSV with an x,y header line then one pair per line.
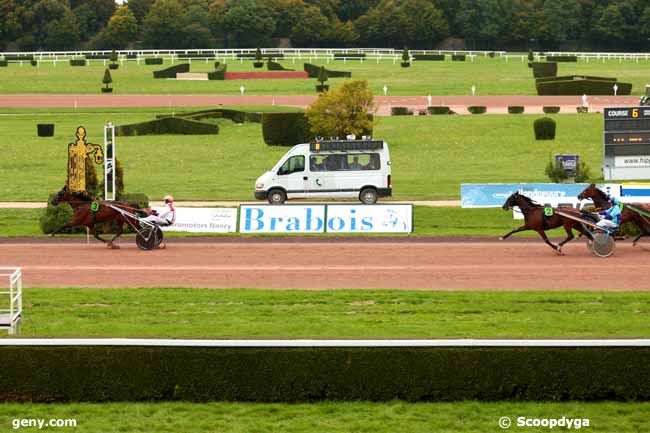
x,y
439,109
400,111
4,63
54,217
458,57
551,109
515,109
33,62
153,61
544,128
172,71
274,66
258,59
544,69
219,72
107,80
77,62
167,125
45,129
406,58
531,56
477,109
285,129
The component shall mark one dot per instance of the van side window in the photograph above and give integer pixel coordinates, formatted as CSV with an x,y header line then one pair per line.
x,y
293,165
345,162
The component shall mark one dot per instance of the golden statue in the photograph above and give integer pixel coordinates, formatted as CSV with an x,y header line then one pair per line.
x,y
77,153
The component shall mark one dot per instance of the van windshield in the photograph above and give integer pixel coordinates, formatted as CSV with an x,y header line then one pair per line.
x,y
345,162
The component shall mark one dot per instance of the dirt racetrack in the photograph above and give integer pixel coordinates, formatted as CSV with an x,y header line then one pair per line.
x,y
324,264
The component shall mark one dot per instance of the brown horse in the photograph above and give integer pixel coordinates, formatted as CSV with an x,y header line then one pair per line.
x,y
84,215
601,201
535,219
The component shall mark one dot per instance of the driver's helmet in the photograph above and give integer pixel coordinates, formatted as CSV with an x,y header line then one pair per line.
x,y
168,199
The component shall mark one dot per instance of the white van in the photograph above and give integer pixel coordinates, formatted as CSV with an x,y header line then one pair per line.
x,y
329,169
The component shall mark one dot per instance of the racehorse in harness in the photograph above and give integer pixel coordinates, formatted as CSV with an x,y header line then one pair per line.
x,y
536,218
602,202
88,213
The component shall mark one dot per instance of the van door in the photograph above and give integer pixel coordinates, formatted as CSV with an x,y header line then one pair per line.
x,y
322,176
293,177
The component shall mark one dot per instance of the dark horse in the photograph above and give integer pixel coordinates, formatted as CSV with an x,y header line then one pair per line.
x,y
602,202
84,215
534,219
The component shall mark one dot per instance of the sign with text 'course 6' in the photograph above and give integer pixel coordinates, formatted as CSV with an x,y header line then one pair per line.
x,y
326,218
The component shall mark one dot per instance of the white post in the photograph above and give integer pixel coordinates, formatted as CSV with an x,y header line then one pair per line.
x,y
110,169
615,89
473,89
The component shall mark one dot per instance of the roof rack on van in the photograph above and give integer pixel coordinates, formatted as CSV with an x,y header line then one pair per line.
x,y
323,145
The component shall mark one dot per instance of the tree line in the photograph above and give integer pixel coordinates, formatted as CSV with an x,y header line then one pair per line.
x,y
30,25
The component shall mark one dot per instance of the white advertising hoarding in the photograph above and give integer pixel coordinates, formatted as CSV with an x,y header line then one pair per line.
x,y
343,218
203,220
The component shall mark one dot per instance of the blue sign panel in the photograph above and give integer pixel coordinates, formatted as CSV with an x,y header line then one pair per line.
x,y
495,194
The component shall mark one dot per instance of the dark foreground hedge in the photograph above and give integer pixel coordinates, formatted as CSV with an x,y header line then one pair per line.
x,y
47,374
578,85
219,72
562,58
544,69
153,61
172,71
285,129
430,57
167,125
313,70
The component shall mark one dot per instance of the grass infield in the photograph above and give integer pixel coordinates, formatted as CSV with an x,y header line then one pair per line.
x,y
353,314
430,155
490,76
336,417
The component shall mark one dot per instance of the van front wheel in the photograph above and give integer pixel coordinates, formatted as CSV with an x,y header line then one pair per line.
x,y
368,196
277,196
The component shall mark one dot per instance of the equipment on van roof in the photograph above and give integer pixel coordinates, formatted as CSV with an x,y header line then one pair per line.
x,y
328,145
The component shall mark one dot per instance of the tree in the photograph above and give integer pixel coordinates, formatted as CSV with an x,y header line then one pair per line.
x,y
121,30
310,29
216,12
322,75
163,26
61,34
248,23
346,110
107,78
140,8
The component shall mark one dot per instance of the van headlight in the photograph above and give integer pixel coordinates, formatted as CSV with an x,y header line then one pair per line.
x,y
259,185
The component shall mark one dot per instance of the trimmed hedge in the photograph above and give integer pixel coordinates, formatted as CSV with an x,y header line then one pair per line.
x,y
219,72
544,128
131,56
400,111
264,55
544,69
477,109
574,77
54,217
285,129
433,57
274,66
341,56
172,71
167,125
580,86
196,56
199,374
77,62
561,58
438,110
237,116
4,63
515,109
458,57
98,56
551,109
153,61
45,129
18,57
33,62
313,71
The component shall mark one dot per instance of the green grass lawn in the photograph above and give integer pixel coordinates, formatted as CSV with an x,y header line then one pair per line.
x,y
430,155
335,417
428,221
491,77
249,313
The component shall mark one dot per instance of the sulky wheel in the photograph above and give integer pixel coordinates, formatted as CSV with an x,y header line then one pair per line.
x,y
159,236
603,245
146,239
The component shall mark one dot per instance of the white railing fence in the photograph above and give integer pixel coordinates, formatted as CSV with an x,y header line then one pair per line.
x,y
11,298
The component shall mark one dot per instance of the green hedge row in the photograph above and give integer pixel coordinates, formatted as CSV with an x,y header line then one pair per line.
x,y
18,57
4,63
400,111
515,109
274,66
438,109
458,57
196,56
219,72
544,69
113,373
153,61
172,71
314,70
167,125
581,86
237,116
98,56
575,77
551,109
561,58
477,109
264,55
285,129
341,56
77,62
434,57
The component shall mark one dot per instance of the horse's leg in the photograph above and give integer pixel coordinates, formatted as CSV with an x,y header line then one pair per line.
x,y
120,230
76,221
641,235
569,237
519,229
542,234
